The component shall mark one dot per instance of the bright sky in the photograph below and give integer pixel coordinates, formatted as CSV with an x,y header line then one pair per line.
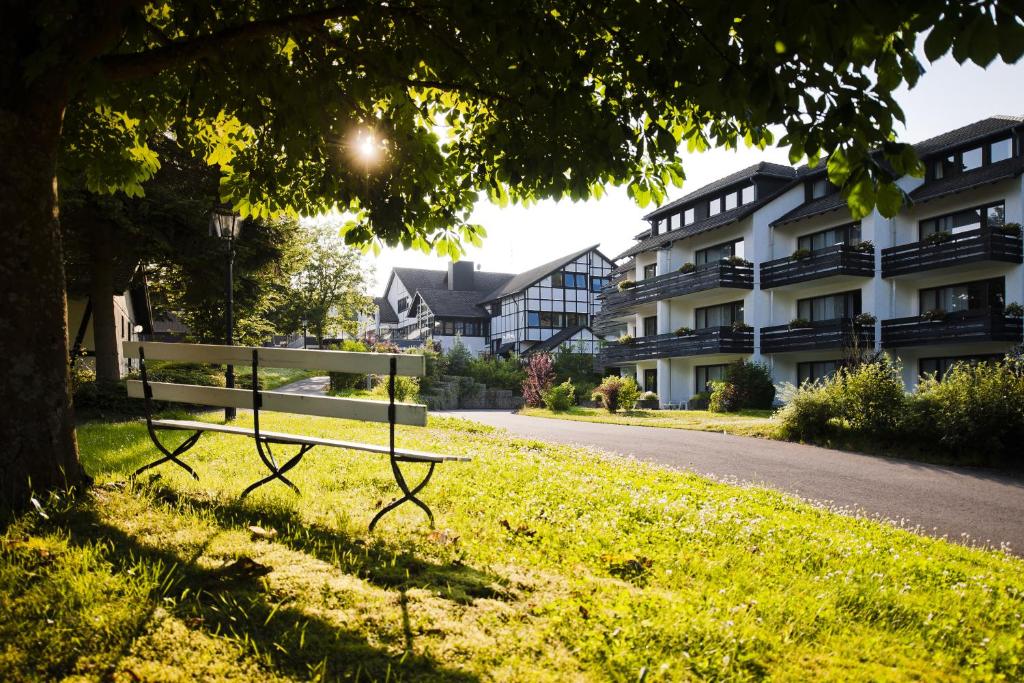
x,y
947,97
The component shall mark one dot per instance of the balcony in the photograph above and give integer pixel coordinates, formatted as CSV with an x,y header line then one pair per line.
x,y
966,247
840,259
705,277
955,328
698,343
826,334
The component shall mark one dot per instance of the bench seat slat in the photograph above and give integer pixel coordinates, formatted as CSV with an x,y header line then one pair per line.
x,y
311,440
276,401
358,362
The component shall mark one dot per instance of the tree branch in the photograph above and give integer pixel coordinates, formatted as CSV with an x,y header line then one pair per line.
x,y
137,65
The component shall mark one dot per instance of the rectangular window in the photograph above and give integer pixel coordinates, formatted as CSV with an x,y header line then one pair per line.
x,y
403,304
705,374
971,159
598,283
844,234
688,216
749,194
722,315
650,326
715,206
732,200
989,215
673,221
650,271
810,372
718,252
558,279
1000,150
829,307
651,380
533,319
979,295
940,366
816,189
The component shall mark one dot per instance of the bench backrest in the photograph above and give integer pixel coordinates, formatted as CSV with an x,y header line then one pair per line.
x,y
308,359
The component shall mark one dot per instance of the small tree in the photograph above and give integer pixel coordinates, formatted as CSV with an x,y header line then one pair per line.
x,y
458,358
540,375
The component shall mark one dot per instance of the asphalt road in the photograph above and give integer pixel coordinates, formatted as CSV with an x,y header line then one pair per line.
x,y
963,504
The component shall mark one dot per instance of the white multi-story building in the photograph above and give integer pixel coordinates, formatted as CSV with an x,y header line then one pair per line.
x,y
540,309
767,264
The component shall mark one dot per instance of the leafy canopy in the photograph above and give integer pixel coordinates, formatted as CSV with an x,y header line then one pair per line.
x,y
453,99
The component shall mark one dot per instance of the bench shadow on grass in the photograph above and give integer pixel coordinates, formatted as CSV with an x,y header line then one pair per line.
x,y
234,602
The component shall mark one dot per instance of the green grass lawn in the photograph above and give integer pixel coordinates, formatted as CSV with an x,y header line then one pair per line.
x,y
744,423
272,378
549,563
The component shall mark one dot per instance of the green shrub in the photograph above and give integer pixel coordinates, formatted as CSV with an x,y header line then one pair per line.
x,y
628,394
584,391
407,389
107,401
458,358
753,385
572,363
498,373
975,414
809,412
871,398
560,397
340,381
186,373
801,254
687,267
725,398
616,392
436,367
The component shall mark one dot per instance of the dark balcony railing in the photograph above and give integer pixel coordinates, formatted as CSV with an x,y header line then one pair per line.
x,y
966,247
840,259
707,340
709,276
826,334
955,328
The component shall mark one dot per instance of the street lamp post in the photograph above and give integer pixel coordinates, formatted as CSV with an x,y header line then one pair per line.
x,y
226,225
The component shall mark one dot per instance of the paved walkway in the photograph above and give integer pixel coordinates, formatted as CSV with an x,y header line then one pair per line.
x,y
985,505
310,385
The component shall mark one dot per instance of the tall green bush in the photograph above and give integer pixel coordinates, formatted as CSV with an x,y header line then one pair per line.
x,y
975,414
617,392
746,385
498,373
871,398
341,381
560,397
458,358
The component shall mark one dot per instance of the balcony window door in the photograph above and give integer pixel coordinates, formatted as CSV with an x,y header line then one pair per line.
x,y
940,366
829,307
651,380
980,295
722,315
650,326
987,216
844,234
705,374
815,370
650,271
718,252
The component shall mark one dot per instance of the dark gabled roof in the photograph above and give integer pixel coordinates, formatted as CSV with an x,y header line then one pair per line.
x,y
447,303
993,173
387,314
816,207
763,168
422,278
710,223
624,267
555,340
967,134
532,276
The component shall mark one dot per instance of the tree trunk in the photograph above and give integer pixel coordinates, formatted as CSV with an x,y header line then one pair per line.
x,y
101,291
38,449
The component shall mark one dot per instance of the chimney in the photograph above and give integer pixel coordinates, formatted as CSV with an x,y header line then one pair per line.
x,y
460,275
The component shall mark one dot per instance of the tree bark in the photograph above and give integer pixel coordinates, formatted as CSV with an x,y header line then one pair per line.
x,y
39,450
101,291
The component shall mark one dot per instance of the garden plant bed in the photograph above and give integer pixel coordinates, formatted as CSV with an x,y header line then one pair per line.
x,y
549,563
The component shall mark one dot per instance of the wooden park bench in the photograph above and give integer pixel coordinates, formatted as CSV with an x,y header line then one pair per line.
x,y
258,400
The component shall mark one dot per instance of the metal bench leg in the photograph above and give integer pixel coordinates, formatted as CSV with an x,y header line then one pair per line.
x,y
169,455
276,472
409,494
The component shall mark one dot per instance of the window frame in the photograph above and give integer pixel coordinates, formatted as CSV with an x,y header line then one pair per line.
x,y
983,222
736,310
698,254
988,295
807,241
704,369
850,311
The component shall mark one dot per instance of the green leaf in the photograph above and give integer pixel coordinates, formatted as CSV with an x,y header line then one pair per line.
x,y
839,168
861,197
889,198
939,39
